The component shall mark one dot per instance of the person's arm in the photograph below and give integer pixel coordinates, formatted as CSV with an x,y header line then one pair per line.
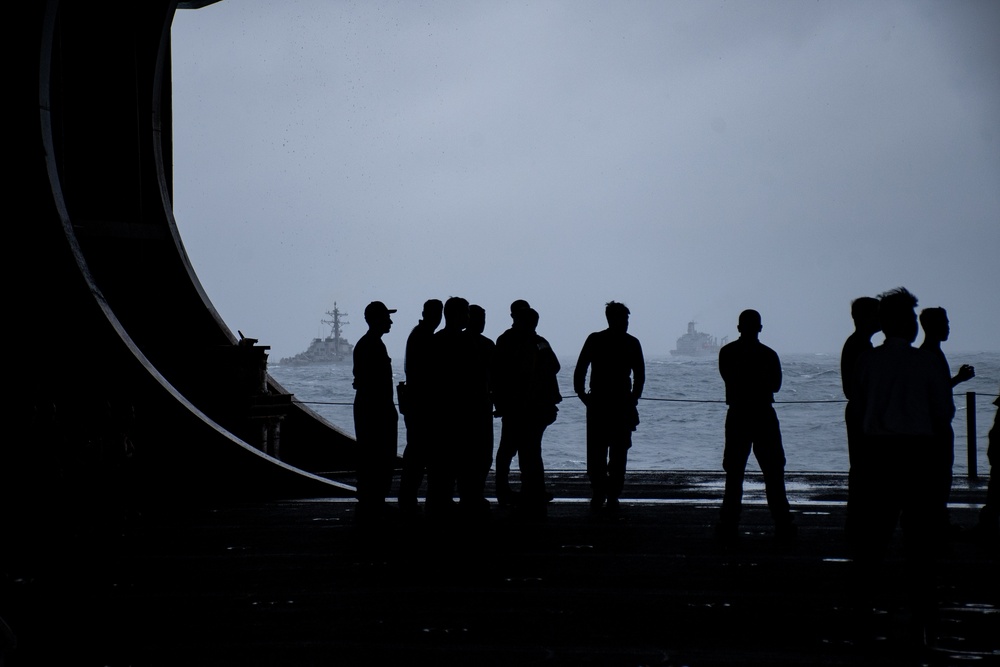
x,y
776,377
638,372
580,372
847,367
965,372
942,404
724,369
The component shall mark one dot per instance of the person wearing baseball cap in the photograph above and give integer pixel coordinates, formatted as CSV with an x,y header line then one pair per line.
x,y
375,416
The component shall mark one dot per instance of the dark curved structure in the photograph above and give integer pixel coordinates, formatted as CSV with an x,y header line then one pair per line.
x,y
129,388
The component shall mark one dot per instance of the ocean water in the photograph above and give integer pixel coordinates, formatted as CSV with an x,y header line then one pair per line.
x,y
682,413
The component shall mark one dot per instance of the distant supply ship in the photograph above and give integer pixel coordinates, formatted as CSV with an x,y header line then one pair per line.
x,y
697,344
330,350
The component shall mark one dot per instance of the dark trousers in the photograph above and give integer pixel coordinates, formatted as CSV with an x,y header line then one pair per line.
x,y
442,467
414,457
899,476
853,418
459,458
754,428
506,451
475,458
376,432
943,462
609,438
991,509
522,432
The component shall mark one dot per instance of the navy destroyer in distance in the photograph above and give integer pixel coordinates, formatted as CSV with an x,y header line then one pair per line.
x,y
697,344
330,350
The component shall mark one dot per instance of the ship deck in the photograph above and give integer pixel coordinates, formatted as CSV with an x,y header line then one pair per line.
x,y
298,582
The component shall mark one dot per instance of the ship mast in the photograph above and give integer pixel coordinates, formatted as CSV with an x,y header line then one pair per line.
x,y
335,323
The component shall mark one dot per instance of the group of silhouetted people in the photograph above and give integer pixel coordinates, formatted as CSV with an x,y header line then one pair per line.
x,y
899,427
458,381
898,417
901,443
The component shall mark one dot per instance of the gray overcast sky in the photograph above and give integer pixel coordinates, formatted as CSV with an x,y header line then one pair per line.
x,y
690,158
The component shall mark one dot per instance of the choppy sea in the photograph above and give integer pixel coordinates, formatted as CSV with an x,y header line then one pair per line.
x,y
682,413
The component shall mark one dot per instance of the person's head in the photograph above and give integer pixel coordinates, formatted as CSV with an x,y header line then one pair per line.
x,y
934,322
378,317
456,313
516,306
897,314
431,314
749,324
864,312
617,315
477,319
528,319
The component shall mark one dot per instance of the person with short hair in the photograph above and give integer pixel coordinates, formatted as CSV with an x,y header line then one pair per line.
x,y
864,312
454,375
507,448
907,407
418,365
617,376
934,322
752,373
526,395
477,459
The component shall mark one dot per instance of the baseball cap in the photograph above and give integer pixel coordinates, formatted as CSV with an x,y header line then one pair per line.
x,y
376,309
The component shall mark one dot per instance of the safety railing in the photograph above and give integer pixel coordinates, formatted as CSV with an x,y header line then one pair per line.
x,y
970,424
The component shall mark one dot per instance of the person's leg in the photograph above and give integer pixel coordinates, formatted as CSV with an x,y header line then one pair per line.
x,y
943,457
476,458
597,455
770,455
414,462
529,458
925,533
734,462
506,451
883,493
442,470
366,439
617,462
988,515
376,437
852,420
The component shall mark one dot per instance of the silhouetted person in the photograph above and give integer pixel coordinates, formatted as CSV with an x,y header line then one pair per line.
x,y
936,330
752,373
987,529
864,312
456,376
507,449
479,454
418,414
907,405
375,417
934,322
526,393
617,376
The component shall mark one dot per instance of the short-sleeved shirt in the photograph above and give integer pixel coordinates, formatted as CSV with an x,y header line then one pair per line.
x,y
751,371
903,391
372,372
617,367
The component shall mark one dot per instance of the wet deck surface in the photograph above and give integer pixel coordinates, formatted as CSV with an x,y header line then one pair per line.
x,y
299,583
